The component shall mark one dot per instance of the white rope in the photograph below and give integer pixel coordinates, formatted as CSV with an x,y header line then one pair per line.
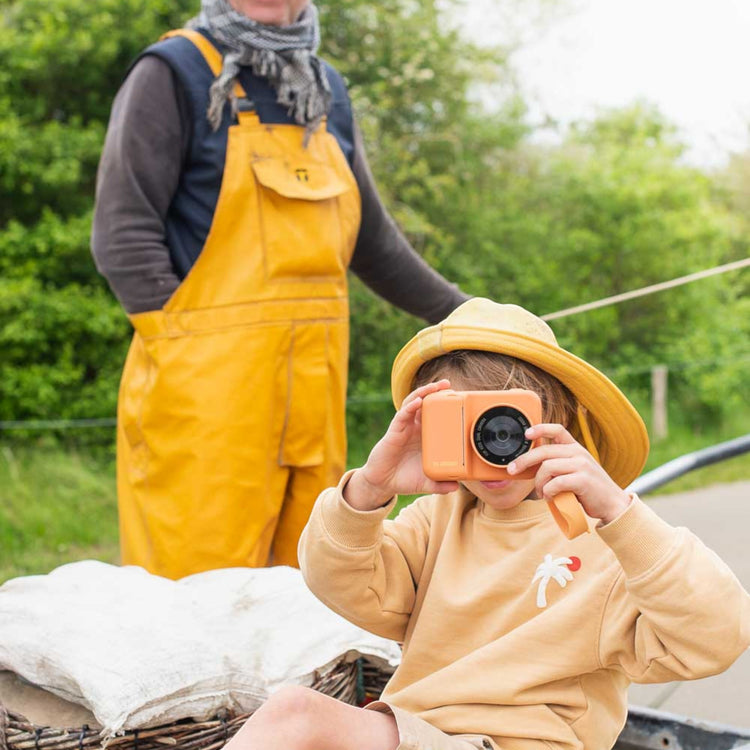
x,y
647,290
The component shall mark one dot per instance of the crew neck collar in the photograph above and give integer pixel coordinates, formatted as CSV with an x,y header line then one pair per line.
x,y
525,510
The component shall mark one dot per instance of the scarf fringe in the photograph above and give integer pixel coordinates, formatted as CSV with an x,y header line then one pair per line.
x,y
285,56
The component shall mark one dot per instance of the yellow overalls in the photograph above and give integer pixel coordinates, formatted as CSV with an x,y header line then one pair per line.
x,y
232,400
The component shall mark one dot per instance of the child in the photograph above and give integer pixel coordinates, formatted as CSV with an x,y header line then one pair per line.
x,y
513,636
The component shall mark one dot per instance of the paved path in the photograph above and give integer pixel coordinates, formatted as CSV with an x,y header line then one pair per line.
x,y
720,516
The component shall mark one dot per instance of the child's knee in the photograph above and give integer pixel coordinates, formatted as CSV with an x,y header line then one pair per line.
x,y
291,717
291,703
295,696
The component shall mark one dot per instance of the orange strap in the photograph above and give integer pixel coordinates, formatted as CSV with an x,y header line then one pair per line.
x,y
565,508
209,52
568,513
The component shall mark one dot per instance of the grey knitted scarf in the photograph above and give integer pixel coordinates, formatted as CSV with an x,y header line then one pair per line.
x,y
285,55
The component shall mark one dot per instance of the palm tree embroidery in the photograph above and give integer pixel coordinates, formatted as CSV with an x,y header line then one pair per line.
x,y
558,569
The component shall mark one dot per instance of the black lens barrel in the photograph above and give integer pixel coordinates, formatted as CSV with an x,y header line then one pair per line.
x,y
498,434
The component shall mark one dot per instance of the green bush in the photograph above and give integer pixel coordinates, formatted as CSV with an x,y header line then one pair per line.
x,y
63,337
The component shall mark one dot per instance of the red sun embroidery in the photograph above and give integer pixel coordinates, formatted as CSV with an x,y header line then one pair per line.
x,y
574,564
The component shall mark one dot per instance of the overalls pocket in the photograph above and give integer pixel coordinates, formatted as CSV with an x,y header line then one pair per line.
x,y
300,221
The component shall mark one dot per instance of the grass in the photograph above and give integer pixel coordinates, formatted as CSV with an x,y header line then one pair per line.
x,y
55,507
58,505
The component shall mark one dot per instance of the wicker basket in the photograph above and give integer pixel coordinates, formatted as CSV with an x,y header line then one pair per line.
x,y
355,682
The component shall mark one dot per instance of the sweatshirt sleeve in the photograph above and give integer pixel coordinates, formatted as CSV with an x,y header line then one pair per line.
x,y
677,612
138,175
363,566
387,263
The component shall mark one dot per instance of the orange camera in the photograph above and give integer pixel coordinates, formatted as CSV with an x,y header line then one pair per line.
x,y
476,434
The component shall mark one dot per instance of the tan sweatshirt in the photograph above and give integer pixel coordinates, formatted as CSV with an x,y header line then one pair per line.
x,y
511,630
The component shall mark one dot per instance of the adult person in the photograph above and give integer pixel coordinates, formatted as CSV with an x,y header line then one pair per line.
x,y
233,193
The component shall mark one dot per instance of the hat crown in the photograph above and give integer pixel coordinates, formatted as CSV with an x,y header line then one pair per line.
x,y
479,312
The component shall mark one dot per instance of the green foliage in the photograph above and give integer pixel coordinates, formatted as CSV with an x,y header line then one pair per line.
x,y
62,351
62,335
65,59
612,210
642,217
48,165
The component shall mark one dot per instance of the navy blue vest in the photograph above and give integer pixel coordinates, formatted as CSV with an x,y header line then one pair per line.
x,y
191,211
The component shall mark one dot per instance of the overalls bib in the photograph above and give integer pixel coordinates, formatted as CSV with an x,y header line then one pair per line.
x,y
232,401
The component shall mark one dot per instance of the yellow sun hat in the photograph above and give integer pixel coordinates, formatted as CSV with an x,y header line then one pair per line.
x,y
608,424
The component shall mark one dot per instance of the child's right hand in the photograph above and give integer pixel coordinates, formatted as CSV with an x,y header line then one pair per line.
x,y
394,465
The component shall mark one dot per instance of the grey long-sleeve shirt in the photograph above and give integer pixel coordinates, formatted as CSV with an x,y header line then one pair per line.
x,y
145,148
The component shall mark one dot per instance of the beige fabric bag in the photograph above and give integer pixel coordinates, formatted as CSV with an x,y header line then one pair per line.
x,y
140,650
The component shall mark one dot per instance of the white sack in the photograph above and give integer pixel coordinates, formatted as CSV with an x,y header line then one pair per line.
x,y
140,650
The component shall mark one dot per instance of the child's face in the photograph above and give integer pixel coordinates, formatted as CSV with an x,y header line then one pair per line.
x,y
502,495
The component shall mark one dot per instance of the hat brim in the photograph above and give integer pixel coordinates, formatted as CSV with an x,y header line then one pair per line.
x,y
621,436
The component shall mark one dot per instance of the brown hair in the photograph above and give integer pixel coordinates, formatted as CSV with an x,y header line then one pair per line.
x,y
476,370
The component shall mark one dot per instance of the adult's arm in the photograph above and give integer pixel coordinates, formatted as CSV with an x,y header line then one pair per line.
x,y
138,175
386,262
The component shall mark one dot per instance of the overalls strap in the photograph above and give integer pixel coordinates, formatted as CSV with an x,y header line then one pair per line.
x,y
211,55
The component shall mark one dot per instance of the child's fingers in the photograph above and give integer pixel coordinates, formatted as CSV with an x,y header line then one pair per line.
x,y
406,415
423,390
543,453
557,468
562,483
409,413
554,432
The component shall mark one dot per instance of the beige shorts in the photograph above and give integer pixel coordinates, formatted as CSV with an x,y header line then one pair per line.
x,y
416,734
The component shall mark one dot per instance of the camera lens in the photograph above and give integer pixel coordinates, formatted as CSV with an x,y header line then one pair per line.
x,y
499,435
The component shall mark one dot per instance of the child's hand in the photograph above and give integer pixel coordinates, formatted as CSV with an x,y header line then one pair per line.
x,y
565,464
395,463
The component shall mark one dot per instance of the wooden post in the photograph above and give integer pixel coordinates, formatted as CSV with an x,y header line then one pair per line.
x,y
659,401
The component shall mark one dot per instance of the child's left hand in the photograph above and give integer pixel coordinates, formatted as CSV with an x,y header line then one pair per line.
x,y
564,464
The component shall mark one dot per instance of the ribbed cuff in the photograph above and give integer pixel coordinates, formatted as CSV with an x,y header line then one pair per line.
x,y
347,526
638,537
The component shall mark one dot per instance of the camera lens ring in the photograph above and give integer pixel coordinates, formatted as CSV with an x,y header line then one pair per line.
x,y
498,435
